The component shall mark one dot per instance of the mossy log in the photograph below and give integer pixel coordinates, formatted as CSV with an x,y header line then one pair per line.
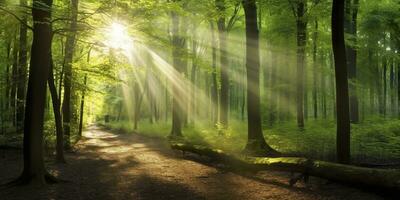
x,y
387,179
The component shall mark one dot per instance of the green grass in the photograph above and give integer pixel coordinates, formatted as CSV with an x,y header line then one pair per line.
x,y
375,140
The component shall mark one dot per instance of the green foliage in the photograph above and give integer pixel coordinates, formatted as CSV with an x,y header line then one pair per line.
x,y
370,142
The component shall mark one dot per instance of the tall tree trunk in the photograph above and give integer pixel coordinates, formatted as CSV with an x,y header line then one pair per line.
x,y
193,80
384,81
7,77
14,82
398,89
333,86
392,88
22,71
324,89
214,86
68,59
5,101
60,81
222,33
57,115
255,143
342,97
136,93
301,45
315,71
34,168
350,25
81,110
177,113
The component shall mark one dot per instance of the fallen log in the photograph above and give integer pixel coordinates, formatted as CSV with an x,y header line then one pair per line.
x,y
386,179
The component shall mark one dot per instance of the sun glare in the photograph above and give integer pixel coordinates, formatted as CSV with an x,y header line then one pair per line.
x,y
117,36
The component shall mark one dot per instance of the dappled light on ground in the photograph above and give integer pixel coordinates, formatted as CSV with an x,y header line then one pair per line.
x,y
128,166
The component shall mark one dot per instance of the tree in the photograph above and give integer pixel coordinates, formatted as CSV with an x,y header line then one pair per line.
x,y
222,33
177,113
81,109
255,142
350,25
34,169
214,85
315,70
299,9
57,114
69,53
342,97
22,62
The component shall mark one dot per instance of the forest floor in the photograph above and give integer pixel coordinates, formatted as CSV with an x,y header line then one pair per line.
x,y
108,166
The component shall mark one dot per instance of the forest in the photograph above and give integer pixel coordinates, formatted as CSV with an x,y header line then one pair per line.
x,y
199,99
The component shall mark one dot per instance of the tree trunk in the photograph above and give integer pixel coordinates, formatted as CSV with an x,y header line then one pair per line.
x,y
256,144
315,71
68,59
224,94
177,113
81,110
214,86
7,77
22,71
57,115
392,88
342,97
34,168
193,75
384,81
398,90
5,89
137,104
350,25
378,179
14,82
324,89
301,45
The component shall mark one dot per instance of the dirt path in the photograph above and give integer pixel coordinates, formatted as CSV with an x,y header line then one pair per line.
x,y
121,167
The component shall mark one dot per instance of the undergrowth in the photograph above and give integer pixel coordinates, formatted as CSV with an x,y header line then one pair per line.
x,y
374,140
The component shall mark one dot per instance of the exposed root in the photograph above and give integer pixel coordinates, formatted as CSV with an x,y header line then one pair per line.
x,y
24,179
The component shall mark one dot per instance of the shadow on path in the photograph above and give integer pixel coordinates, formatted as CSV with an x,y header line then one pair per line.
x,y
129,166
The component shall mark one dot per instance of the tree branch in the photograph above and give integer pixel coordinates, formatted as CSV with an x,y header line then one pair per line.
x,y
16,17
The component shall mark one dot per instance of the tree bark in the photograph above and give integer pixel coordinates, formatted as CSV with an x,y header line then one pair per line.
x,y
384,92
68,59
136,116
193,76
315,71
398,89
57,115
214,86
177,111
81,110
224,93
34,168
22,71
350,24
386,179
301,46
7,77
256,144
14,82
342,97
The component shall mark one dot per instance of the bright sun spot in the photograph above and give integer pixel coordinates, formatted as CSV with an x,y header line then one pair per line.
x,y
117,37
